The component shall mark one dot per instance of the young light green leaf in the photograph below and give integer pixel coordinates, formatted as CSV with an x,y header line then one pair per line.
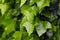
x,y
22,23
32,2
29,27
42,27
22,27
4,8
22,2
28,12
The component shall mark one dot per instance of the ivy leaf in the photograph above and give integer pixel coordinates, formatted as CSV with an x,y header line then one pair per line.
x,y
22,23
6,19
21,26
22,2
42,27
28,12
32,37
25,36
17,35
9,28
29,27
53,28
33,1
4,7
42,3
36,21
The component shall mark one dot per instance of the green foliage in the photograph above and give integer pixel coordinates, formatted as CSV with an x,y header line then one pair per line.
x,y
42,27
28,20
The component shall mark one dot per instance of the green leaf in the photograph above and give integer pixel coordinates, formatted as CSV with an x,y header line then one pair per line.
x,y
22,23
10,18
25,36
22,27
17,35
42,27
4,7
9,28
33,1
29,27
22,2
29,12
6,19
36,21
32,37
54,28
42,3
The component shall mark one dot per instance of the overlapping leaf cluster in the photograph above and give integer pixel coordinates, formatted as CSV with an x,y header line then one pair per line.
x,y
27,20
